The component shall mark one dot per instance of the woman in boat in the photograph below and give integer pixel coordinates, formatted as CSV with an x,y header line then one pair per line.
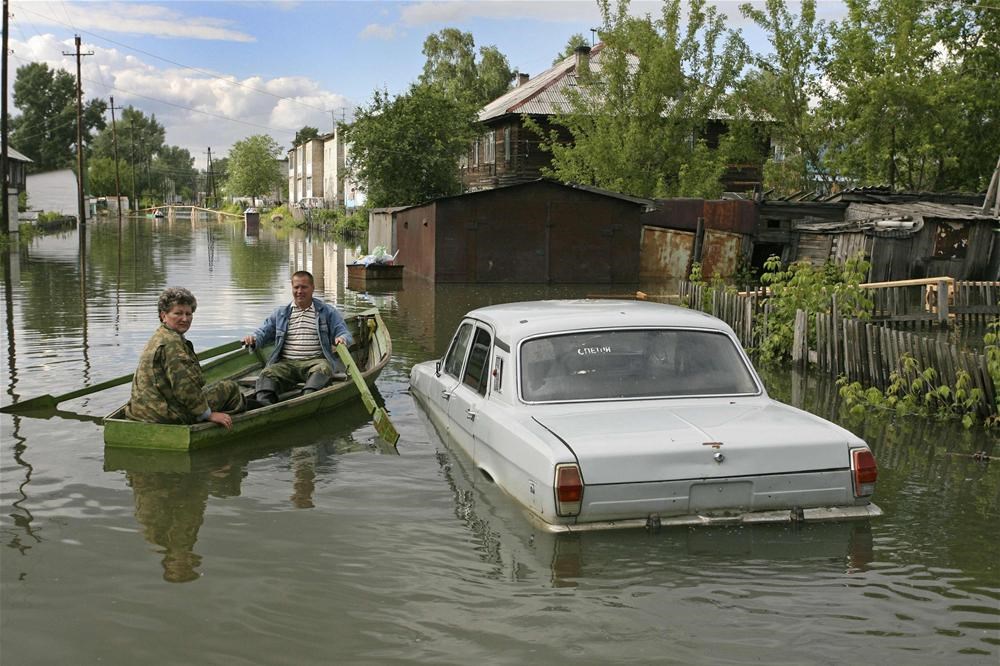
x,y
168,386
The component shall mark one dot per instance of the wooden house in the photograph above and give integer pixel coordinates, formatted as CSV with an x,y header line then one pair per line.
x,y
536,232
508,152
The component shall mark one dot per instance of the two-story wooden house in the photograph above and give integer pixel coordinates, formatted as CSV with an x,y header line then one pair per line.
x,y
507,152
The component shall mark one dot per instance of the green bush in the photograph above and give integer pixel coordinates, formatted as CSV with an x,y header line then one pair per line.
x,y
801,286
914,391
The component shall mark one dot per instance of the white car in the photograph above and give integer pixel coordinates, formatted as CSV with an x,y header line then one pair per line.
x,y
596,414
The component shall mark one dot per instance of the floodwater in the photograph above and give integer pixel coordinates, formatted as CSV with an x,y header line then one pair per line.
x,y
313,544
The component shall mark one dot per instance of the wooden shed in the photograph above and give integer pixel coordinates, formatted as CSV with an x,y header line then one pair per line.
x,y
541,231
907,240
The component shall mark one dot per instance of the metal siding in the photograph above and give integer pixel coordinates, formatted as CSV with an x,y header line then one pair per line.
x,y
721,254
665,253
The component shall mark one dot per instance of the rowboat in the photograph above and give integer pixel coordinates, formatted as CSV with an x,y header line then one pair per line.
x,y
370,351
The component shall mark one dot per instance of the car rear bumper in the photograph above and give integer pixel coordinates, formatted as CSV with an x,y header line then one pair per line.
x,y
816,515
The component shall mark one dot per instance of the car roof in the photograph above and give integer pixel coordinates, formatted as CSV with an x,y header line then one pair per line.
x,y
515,321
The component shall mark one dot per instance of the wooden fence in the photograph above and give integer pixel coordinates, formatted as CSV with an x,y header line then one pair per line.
x,y
870,351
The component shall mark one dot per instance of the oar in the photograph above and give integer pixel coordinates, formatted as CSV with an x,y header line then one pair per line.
x,y
45,402
383,425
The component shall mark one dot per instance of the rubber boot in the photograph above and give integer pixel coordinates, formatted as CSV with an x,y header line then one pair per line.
x,y
265,391
315,382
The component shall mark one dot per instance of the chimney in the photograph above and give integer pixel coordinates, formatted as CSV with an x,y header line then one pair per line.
x,y
522,78
582,54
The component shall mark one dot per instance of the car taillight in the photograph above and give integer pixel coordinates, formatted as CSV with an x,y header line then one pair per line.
x,y
569,490
865,472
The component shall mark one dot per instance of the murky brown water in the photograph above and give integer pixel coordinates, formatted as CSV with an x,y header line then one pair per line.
x,y
312,545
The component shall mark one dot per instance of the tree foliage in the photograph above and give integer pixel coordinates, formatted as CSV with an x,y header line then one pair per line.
x,y
637,113
452,66
897,93
404,149
253,167
307,133
575,40
45,130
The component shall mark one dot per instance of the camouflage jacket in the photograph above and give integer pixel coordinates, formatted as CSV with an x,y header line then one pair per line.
x,y
167,387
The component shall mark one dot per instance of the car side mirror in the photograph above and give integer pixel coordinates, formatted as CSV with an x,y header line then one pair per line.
x,y
437,368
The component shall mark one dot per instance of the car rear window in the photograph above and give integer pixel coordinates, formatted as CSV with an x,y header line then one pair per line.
x,y
647,363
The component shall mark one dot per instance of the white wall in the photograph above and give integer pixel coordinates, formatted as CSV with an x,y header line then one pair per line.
x,y
53,192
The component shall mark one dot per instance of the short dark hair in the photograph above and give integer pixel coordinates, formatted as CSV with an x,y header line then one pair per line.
x,y
305,274
172,296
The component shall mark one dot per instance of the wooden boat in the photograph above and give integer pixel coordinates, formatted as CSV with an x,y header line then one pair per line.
x,y
371,351
364,273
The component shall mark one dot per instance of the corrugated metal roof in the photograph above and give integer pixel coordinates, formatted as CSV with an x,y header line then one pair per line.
x,y
648,203
543,94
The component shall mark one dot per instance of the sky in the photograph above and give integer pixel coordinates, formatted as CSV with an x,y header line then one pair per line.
x,y
216,72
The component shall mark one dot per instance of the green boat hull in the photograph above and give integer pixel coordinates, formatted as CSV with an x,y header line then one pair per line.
x,y
371,351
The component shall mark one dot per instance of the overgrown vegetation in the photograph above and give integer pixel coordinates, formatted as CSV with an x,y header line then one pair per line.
x,y
915,391
802,286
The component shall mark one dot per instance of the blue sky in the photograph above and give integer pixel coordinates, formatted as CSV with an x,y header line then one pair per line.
x,y
215,72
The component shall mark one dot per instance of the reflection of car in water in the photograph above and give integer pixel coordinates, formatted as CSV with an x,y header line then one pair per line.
x,y
601,414
520,550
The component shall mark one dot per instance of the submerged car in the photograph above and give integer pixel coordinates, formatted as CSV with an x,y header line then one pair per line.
x,y
596,414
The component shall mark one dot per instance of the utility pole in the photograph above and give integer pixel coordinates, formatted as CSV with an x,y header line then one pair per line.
x,y
209,182
5,212
81,206
118,184
131,154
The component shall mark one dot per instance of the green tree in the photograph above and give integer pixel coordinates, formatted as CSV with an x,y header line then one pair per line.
x,y
574,41
451,65
307,133
253,167
404,149
173,169
780,90
635,113
140,139
101,176
45,130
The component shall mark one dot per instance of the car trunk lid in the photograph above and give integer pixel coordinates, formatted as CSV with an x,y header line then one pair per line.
x,y
644,442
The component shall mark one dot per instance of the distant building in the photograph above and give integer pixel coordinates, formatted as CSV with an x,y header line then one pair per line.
x,y
17,170
305,171
54,192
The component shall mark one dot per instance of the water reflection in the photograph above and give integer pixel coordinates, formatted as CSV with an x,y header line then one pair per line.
x,y
172,489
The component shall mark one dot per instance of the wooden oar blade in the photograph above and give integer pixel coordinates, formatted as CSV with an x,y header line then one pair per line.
x,y
40,403
384,426
48,402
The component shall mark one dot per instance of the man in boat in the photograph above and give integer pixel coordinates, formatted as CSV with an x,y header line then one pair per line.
x,y
305,333
168,386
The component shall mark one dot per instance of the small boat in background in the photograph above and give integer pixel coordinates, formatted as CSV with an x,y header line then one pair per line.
x,y
157,213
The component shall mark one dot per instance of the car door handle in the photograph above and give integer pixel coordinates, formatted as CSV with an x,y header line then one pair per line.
x,y
471,415
445,395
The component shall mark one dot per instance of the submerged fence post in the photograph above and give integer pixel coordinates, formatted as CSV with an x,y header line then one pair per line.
x,y
942,302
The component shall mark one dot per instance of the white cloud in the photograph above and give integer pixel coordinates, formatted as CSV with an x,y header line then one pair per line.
x,y
197,109
423,13
127,17
378,31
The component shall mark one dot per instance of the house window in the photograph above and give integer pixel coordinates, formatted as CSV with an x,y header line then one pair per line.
x,y
506,144
489,147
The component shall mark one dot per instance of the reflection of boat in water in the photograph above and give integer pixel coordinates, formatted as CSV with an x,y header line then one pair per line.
x,y
172,489
371,351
